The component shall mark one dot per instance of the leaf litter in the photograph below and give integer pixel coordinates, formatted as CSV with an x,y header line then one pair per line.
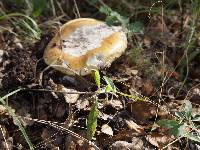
x,y
122,122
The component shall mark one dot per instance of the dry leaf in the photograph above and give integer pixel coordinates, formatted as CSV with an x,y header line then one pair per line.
x,y
117,104
82,104
141,111
107,129
70,98
133,126
137,144
2,109
105,116
158,140
60,111
148,87
147,41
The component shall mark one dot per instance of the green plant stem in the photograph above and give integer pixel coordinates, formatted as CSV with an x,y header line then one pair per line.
x,y
189,44
15,117
9,94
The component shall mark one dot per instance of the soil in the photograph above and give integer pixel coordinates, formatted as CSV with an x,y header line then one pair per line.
x,y
22,66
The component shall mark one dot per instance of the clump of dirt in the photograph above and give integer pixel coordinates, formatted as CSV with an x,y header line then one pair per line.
x,y
19,69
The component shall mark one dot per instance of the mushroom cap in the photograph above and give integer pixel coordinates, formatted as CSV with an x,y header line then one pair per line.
x,y
85,44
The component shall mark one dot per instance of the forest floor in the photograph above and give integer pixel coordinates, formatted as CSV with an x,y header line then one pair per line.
x,y
157,79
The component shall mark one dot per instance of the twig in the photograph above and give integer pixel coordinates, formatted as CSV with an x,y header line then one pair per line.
x,y
77,10
63,129
53,7
46,90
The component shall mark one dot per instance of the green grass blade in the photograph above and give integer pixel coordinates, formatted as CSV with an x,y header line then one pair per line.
x,y
97,78
110,85
32,21
92,121
9,94
15,117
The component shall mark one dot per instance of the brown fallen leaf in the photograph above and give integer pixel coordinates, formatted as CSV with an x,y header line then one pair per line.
x,y
159,140
60,111
147,40
141,111
148,87
51,139
133,126
136,144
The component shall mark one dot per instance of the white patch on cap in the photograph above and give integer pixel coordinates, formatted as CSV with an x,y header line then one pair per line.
x,y
87,38
95,61
65,63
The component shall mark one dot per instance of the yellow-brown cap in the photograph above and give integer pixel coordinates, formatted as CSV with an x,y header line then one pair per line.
x,y
85,44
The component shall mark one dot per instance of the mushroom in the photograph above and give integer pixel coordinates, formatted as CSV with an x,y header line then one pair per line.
x,y
85,44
